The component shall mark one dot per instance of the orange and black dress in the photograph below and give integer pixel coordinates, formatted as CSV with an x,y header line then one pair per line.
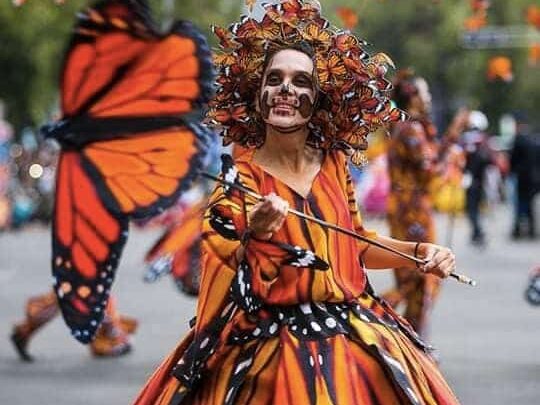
x,y
413,166
295,321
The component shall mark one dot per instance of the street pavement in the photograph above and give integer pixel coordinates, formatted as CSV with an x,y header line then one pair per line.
x,y
488,337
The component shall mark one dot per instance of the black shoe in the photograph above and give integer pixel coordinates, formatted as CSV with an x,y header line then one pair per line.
x,y
20,346
479,241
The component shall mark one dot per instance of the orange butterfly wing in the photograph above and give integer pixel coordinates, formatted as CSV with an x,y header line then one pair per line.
x,y
87,242
131,141
127,69
143,175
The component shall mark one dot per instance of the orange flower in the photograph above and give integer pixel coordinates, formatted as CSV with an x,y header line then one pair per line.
x,y
533,16
534,55
348,17
477,21
500,68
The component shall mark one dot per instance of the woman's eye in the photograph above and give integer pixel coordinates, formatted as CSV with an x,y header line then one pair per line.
x,y
302,81
273,80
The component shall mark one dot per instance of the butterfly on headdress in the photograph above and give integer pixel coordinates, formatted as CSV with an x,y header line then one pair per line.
x,y
331,70
225,37
346,42
316,35
224,115
250,31
291,12
131,143
235,134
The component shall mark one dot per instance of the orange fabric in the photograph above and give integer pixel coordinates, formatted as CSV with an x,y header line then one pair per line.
x,y
257,357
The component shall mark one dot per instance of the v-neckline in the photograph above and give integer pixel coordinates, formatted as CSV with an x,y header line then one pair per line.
x,y
292,189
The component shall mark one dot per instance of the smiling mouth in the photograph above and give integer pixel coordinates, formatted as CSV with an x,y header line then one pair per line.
x,y
284,109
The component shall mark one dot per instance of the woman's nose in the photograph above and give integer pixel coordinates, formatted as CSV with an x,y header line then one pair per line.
x,y
284,89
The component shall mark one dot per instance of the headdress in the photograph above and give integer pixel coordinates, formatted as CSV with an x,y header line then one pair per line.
x,y
352,83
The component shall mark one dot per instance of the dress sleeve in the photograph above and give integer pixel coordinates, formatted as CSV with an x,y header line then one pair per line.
x,y
353,207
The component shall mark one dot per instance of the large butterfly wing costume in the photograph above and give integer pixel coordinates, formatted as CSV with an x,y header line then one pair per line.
x,y
131,143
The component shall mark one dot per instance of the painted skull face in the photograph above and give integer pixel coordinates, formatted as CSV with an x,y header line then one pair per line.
x,y
288,91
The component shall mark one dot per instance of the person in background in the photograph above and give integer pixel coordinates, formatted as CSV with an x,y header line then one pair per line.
x,y
415,160
478,158
524,166
112,338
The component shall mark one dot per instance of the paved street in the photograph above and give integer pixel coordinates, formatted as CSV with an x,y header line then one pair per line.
x,y
488,337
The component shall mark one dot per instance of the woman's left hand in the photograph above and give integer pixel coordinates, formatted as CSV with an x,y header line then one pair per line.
x,y
441,261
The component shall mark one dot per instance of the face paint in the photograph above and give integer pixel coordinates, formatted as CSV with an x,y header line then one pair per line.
x,y
265,107
306,106
288,91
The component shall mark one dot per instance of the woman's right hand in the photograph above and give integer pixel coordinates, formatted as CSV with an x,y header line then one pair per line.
x,y
267,216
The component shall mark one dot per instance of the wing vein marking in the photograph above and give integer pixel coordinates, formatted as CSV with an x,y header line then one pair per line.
x,y
145,95
91,225
152,165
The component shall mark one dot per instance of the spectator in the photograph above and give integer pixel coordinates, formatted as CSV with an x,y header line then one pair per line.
x,y
478,158
524,166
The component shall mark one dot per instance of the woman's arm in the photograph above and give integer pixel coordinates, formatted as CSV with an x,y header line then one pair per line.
x,y
440,260
377,258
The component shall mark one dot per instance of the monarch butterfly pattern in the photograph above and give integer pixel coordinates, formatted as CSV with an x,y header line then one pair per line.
x,y
412,163
276,328
131,143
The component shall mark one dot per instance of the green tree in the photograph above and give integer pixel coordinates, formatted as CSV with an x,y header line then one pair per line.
x,y
426,35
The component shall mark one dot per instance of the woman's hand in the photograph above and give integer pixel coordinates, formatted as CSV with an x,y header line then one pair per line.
x,y
267,216
441,261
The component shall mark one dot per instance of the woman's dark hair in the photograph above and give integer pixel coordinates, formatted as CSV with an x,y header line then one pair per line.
x,y
404,88
301,46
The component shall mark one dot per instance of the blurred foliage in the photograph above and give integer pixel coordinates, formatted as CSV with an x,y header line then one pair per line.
x,y
424,34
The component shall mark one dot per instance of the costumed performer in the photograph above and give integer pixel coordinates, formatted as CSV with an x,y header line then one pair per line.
x,y
415,161
286,314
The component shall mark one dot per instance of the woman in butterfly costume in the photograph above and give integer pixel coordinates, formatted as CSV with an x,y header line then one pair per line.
x,y
286,314
416,160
